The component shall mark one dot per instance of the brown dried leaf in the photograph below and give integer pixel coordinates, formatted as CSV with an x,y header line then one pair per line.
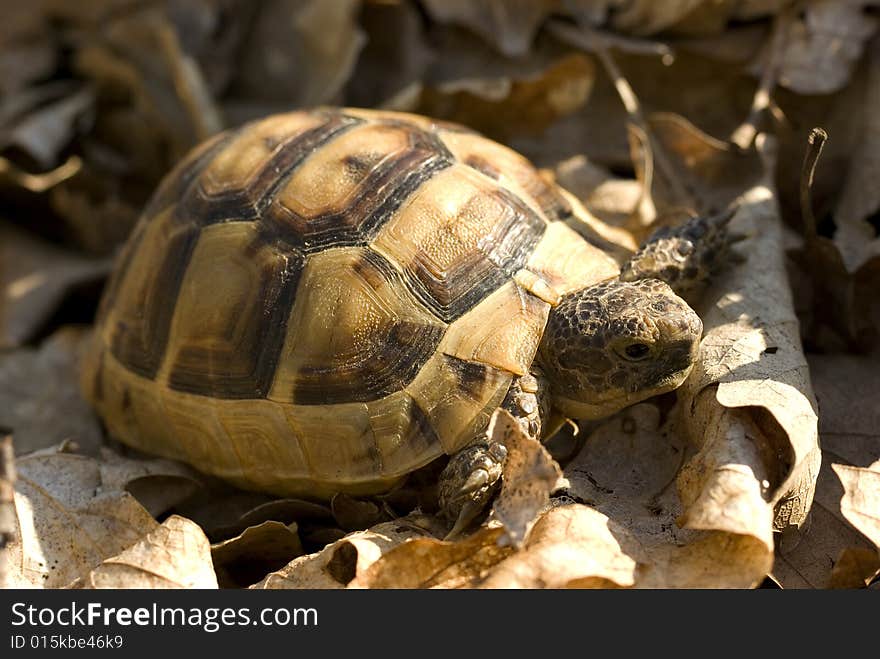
x,y
224,512
8,530
572,546
512,103
529,476
68,521
258,550
647,17
855,568
752,376
509,25
626,470
830,552
345,561
825,45
855,237
300,52
174,555
353,514
158,484
25,60
693,169
433,563
35,277
40,400
395,56
45,131
613,200
861,499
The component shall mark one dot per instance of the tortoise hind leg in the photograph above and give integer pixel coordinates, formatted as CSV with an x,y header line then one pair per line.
x,y
473,475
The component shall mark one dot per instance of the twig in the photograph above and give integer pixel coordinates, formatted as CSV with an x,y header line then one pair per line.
x,y
7,504
40,182
600,44
815,142
745,134
585,37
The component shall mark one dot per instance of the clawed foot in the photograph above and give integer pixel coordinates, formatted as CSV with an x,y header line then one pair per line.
x,y
685,256
469,481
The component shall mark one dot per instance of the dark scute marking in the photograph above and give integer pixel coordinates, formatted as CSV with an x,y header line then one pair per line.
x,y
551,201
249,365
387,364
178,181
504,251
421,436
139,343
250,203
483,166
472,376
379,195
171,189
126,399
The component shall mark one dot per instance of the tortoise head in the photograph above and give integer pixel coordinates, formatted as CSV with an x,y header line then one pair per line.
x,y
616,343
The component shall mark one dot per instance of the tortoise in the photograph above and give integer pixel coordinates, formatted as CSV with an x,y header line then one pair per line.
x,y
325,301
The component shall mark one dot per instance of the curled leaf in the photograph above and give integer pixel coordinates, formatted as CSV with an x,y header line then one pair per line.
x,y
258,550
174,555
571,546
68,521
529,476
343,562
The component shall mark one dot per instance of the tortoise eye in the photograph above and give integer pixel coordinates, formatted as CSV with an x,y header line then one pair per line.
x,y
637,351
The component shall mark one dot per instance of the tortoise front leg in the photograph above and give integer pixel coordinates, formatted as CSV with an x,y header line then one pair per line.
x,y
684,257
473,475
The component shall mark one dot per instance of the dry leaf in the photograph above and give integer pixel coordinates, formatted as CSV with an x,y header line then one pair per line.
x,y
344,561
433,563
35,277
226,512
353,514
509,25
824,46
752,375
174,555
529,476
647,17
44,132
831,551
67,520
7,506
258,550
855,568
158,484
512,104
396,55
626,471
814,561
300,52
856,237
570,546
861,499
693,169
40,401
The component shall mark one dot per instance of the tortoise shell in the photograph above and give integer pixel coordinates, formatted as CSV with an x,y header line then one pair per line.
x,y
325,301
